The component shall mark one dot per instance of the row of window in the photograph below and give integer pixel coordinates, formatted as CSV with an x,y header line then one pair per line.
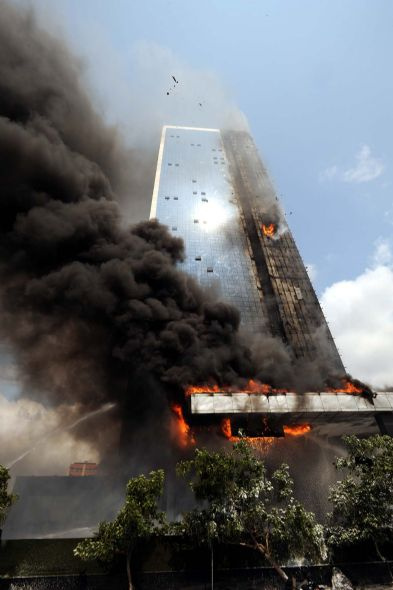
x,y
204,200
174,227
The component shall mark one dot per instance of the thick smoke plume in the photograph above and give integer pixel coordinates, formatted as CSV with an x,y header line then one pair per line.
x,y
89,307
95,311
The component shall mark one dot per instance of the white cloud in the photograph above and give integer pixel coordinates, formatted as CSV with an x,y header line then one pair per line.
x,y
360,313
366,168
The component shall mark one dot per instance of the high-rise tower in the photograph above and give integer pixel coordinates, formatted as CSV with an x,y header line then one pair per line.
x,y
212,190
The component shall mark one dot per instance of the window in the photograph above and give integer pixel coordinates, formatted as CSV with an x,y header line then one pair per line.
x,y
298,292
176,164
167,198
202,193
204,200
198,145
193,180
174,228
169,164
175,198
196,220
198,258
209,269
192,144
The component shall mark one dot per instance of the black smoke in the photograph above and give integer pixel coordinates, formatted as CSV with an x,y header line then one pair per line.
x,y
87,304
95,311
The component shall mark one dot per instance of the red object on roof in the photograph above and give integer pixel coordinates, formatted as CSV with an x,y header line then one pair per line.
x,y
82,469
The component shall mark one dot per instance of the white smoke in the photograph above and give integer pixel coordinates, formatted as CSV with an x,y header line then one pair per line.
x,y
24,423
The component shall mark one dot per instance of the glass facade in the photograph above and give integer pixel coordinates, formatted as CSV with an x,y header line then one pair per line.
x,y
195,198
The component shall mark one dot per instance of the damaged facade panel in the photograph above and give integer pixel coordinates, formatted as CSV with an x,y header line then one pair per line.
x,y
294,310
242,234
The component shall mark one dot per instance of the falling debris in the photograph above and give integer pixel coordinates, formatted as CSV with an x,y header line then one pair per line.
x,y
174,86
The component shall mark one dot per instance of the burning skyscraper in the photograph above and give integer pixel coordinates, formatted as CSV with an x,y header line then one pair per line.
x,y
212,190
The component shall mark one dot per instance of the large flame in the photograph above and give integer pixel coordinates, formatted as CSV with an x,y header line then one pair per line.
x,y
297,430
261,443
252,386
184,435
347,387
269,230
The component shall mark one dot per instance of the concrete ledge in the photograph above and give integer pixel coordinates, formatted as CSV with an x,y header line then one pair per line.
x,y
331,414
307,403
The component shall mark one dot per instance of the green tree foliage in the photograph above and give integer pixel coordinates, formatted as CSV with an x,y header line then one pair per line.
x,y
139,518
363,500
6,499
240,504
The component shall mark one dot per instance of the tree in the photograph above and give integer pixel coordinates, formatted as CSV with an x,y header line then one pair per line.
x,y
363,500
139,518
240,504
6,499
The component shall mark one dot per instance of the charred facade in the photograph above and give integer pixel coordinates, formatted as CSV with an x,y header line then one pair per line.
x,y
213,191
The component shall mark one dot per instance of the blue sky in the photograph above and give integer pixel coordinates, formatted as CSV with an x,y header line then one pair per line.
x,y
313,78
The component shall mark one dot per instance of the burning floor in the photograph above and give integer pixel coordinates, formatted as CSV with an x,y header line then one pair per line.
x,y
258,411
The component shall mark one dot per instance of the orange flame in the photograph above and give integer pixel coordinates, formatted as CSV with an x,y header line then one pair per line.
x,y
252,386
184,434
297,430
203,389
347,387
258,442
226,428
269,230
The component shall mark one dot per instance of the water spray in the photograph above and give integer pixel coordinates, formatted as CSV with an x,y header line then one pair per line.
x,y
102,410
